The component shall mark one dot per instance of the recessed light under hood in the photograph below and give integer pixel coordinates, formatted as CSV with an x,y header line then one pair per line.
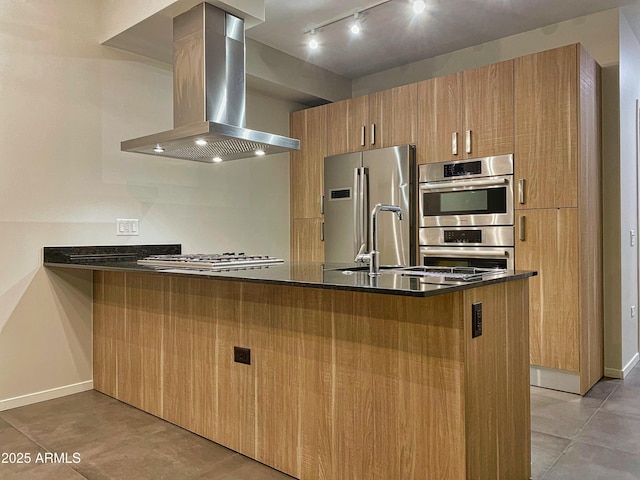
x,y
209,95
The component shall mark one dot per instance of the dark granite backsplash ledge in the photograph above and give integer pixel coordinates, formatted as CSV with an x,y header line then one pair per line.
x,y
129,253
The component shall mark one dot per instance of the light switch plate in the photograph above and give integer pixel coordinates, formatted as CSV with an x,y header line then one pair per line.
x,y
127,226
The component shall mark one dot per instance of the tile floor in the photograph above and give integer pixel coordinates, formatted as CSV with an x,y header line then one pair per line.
x,y
587,438
592,437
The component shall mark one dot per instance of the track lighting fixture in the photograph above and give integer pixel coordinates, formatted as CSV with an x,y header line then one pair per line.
x,y
357,18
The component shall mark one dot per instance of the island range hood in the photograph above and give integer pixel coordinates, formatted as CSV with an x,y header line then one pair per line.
x,y
209,95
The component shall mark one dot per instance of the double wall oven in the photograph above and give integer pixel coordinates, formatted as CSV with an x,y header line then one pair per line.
x,y
466,213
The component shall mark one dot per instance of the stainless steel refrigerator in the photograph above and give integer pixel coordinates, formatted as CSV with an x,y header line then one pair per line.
x,y
353,184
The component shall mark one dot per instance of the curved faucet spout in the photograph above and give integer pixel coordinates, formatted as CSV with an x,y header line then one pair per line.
x,y
386,208
374,254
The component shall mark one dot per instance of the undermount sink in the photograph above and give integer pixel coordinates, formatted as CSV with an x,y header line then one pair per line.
x,y
449,274
431,275
360,268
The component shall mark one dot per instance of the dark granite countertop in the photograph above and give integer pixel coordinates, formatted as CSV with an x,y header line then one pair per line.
x,y
312,275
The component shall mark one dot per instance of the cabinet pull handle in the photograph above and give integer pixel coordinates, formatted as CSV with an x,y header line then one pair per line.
x,y
362,136
521,227
521,191
321,204
373,134
322,232
468,141
454,143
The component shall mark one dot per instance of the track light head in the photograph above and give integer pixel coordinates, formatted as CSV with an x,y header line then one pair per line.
x,y
313,43
355,26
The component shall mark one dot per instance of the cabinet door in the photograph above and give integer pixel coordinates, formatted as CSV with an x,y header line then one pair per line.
x,y
347,125
306,164
392,117
306,240
550,247
546,128
488,110
439,119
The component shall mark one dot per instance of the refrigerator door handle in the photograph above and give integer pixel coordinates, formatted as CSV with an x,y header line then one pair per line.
x,y
356,211
364,206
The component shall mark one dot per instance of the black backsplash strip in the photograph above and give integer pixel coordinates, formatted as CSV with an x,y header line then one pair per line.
x,y
88,254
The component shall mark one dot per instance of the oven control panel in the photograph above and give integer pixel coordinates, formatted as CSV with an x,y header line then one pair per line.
x,y
462,236
462,168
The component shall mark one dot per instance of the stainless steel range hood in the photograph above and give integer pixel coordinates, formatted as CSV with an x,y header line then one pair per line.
x,y
209,95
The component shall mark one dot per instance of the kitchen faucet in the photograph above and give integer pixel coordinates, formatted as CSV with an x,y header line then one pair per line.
x,y
373,257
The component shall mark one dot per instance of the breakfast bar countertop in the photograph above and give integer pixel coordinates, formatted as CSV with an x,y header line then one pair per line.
x,y
303,274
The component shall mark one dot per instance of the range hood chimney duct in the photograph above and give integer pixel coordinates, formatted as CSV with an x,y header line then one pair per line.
x,y
209,94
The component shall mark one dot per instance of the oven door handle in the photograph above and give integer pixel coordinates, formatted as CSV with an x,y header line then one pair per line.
x,y
492,182
461,252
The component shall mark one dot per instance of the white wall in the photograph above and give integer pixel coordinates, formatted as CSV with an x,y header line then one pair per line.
x,y
629,95
612,280
67,102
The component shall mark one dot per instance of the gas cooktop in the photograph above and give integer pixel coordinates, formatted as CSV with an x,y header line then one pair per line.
x,y
214,261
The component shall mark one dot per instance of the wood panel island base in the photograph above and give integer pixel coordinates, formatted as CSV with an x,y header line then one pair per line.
x,y
342,384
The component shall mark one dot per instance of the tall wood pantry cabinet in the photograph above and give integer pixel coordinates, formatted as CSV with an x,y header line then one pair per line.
x,y
559,213
306,183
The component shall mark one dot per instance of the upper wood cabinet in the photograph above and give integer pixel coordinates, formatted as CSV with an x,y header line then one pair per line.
x,y
439,119
306,164
392,117
466,115
347,125
382,119
546,128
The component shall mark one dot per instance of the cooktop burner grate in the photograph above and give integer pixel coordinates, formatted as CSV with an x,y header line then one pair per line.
x,y
209,261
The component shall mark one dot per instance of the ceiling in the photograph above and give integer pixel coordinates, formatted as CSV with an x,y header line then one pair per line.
x,y
392,35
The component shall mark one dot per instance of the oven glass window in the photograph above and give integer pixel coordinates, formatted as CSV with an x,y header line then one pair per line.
x,y
465,202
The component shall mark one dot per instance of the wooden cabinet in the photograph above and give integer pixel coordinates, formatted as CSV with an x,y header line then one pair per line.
x,y
547,242
306,165
466,115
546,128
347,128
382,119
557,159
392,117
488,110
306,239
341,384
306,174
439,117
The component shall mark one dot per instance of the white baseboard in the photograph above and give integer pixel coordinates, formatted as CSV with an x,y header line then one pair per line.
x,y
617,373
37,397
554,379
